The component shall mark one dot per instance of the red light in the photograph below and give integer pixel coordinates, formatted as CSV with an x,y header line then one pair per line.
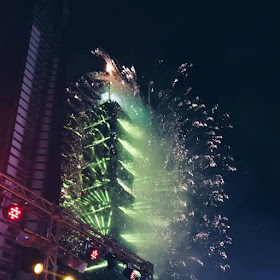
x,y
129,273
14,212
94,254
132,275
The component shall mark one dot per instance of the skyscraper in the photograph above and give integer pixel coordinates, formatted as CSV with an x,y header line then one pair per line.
x,y
31,87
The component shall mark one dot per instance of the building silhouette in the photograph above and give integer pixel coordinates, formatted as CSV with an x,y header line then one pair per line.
x,y
31,95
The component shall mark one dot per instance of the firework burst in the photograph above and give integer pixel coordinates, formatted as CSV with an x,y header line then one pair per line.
x,y
148,174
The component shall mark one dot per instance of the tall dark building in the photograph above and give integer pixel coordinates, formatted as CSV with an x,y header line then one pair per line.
x,y
31,87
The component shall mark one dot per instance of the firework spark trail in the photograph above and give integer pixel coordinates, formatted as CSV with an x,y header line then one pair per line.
x,y
178,182
176,156
197,155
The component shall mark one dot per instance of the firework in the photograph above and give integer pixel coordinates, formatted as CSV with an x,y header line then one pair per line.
x,y
149,175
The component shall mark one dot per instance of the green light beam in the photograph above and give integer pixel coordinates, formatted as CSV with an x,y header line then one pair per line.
x,y
133,151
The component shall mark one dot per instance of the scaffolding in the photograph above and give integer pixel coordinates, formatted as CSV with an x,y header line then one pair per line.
x,y
55,221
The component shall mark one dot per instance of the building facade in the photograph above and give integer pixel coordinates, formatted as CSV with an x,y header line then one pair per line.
x,y
31,89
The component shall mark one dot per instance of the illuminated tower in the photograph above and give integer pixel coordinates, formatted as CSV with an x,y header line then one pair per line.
x,y
95,183
146,174
30,75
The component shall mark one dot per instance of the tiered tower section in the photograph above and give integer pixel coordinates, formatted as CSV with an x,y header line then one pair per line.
x,y
96,182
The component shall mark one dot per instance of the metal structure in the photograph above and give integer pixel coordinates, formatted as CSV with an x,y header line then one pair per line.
x,y
56,221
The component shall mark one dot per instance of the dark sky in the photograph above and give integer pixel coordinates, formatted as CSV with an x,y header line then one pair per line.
x,y
234,46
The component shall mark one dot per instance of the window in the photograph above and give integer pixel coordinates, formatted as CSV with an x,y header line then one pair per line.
x,y
27,81
31,61
20,120
48,112
34,41
30,68
39,174
26,89
44,135
13,160
11,170
40,166
22,112
16,144
41,158
17,136
23,103
19,129
43,144
32,48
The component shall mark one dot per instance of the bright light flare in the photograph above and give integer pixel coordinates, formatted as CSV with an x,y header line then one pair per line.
x,y
68,278
109,67
105,96
14,213
132,275
38,268
94,254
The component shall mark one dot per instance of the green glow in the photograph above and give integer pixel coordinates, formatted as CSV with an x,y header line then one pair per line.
x,y
99,209
137,239
91,220
107,196
103,196
102,220
129,212
97,220
129,167
86,156
73,130
133,151
95,186
98,195
91,168
132,130
101,162
126,188
92,209
109,220
97,142
97,123
98,266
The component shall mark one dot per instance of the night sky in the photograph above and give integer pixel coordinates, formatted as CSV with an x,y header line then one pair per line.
x,y
234,47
